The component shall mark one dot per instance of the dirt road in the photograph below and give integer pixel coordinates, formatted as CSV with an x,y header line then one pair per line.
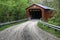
x,y
24,31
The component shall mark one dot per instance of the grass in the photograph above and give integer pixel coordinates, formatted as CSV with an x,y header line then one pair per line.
x,y
9,25
50,30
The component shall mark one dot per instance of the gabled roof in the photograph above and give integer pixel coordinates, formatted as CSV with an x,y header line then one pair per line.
x,y
45,7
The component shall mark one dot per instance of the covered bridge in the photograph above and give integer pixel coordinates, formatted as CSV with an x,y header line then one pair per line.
x,y
37,11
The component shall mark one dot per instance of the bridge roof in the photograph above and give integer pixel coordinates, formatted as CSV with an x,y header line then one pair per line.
x,y
45,7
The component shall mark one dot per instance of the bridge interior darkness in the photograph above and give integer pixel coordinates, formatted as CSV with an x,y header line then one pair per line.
x,y
35,13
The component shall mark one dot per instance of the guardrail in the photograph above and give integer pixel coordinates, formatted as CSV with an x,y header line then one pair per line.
x,y
50,25
1,24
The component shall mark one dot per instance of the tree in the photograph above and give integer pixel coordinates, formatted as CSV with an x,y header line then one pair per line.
x,y
11,10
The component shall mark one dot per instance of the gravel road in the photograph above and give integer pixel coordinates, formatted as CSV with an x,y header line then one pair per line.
x,y
25,31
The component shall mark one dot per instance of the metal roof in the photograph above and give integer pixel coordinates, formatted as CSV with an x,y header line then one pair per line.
x,y
45,7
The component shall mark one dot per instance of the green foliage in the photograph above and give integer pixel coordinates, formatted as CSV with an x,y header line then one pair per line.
x,y
12,10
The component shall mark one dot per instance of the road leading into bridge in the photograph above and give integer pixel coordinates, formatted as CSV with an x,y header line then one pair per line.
x,y
24,31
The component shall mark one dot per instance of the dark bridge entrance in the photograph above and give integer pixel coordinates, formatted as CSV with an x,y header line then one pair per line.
x,y
35,13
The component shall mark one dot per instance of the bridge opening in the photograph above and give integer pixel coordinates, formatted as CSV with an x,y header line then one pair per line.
x,y
35,13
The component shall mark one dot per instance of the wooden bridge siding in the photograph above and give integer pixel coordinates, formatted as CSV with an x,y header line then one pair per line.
x,y
47,15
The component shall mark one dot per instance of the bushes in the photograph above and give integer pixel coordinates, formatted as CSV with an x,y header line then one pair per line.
x,y
50,30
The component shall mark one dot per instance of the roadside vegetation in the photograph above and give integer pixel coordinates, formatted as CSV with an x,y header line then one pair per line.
x,y
50,30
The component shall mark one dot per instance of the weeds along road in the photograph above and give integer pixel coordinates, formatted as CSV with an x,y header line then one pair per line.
x,y
24,31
